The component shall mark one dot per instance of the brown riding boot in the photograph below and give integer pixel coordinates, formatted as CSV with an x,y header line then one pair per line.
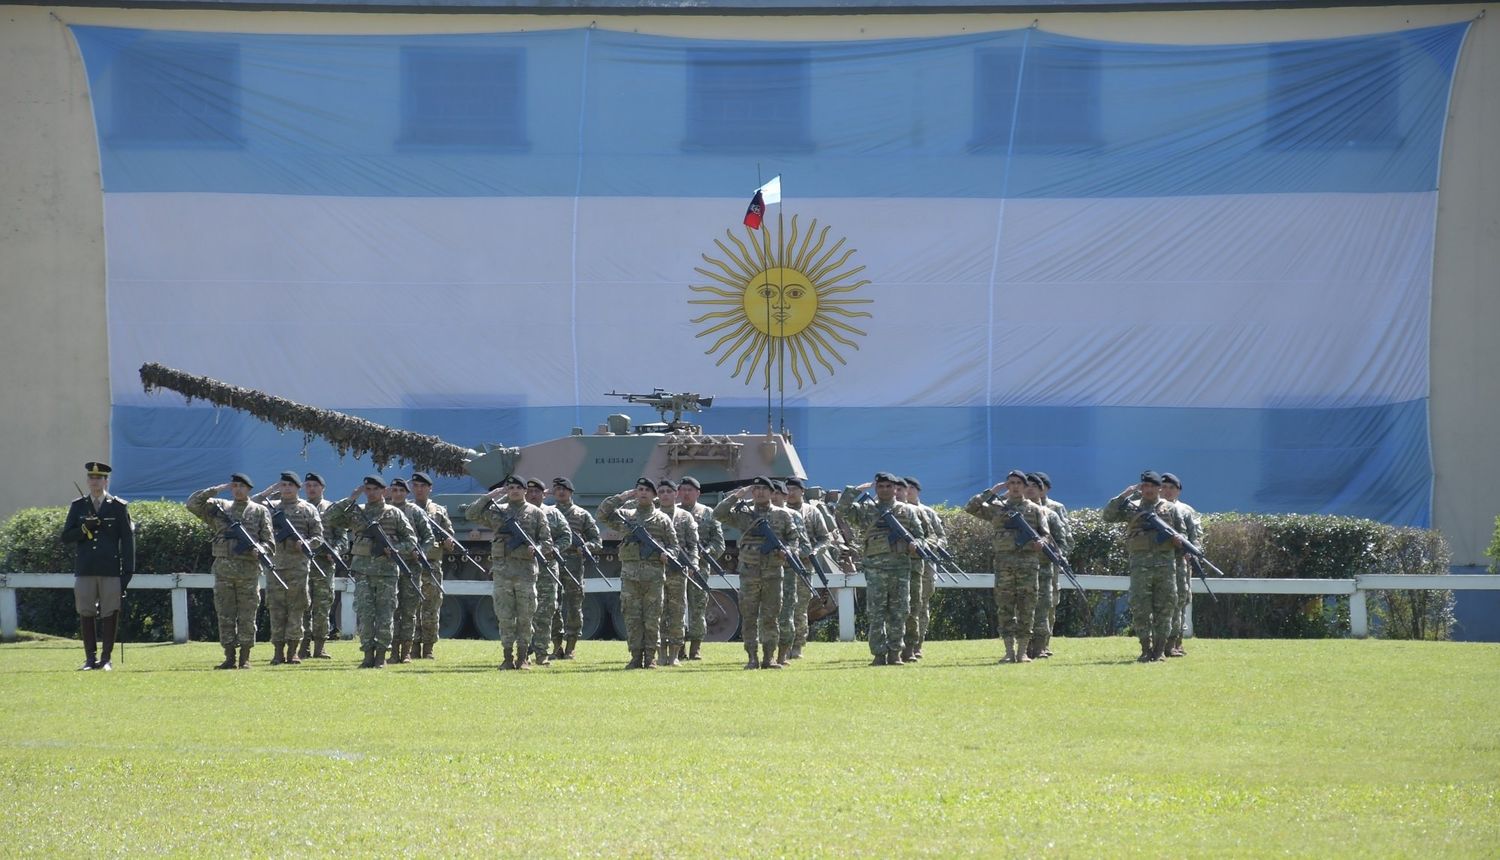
x,y
637,657
768,658
879,660
229,661
568,653
693,646
245,656
279,657
318,652
752,663
1010,650
87,630
305,650
510,658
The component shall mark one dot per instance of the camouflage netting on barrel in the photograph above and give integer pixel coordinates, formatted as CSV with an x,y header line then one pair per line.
x,y
348,434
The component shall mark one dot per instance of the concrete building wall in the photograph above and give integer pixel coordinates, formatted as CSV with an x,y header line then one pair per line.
x,y
53,365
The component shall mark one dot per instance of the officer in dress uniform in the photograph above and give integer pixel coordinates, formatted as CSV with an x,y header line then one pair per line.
x,y
99,526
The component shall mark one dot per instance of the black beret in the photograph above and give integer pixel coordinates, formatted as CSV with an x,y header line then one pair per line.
x,y
647,483
887,478
497,485
899,481
1046,481
1015,473
778,486
690,481
762,481
513,481
291,478
314,476
1034,480
421,478
241,478
1169,478
562,482
534,483
665,484
913,483
376,480
97,469
794,481
400,482
1150,477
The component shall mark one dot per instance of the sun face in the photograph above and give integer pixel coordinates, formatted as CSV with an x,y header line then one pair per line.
x,y
783,305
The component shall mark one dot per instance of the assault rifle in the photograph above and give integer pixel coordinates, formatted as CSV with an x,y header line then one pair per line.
x,y
286,530
422,556
585,554
517,538
1151,522
381,540
245,543
719,571
449,536
648,544
1025,534
771,543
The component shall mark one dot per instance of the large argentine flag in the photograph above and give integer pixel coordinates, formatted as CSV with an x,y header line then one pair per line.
x,y
1011,249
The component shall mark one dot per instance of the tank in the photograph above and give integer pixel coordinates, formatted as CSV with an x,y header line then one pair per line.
x,y
600,462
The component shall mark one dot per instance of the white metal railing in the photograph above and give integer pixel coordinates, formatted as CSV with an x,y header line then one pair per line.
x,y
844,585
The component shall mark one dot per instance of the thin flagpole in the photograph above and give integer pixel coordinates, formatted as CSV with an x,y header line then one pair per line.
x,y
781,293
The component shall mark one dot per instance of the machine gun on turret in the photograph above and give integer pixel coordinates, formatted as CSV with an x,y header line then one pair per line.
x,y
664,401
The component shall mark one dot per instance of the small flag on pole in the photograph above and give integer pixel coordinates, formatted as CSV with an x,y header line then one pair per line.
x,y
764,196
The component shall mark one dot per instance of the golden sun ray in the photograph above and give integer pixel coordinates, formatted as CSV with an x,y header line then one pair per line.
x,y
781,297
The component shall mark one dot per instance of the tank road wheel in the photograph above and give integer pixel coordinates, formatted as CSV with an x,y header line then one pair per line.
x,y
485,622
454,616
723,616
593,616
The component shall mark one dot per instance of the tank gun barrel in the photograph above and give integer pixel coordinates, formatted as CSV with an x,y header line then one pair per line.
x,y
346,433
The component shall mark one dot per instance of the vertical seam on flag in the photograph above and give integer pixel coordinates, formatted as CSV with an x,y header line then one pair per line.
x,y
989,332
583,88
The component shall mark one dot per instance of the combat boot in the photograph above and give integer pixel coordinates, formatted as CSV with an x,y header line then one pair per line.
x,y
408,651
510,659
906,655
1145,652
305,651
796,652
229,662
523,659
916,651
1158,652
693,646
107,646
245,656
318,652
648,658
767,658
781,654
557,648
379,658
661,652
1010,650
572,641
427,650
542,657
893,658
636,658
90,644
878,661
752,663
674,655
369,661
279,657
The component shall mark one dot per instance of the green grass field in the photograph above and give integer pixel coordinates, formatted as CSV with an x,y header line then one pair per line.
x,y
1245,748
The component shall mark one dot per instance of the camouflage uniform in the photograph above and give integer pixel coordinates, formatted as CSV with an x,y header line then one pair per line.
x,y
1067,546
569,618
795,593
287,606
548,586
1153,569
1017,569
375,574
760,574
430,612
924,580
409,589
320,588
711,545
1194,534
675,591
887,572
236,572
642,573
514,568
1046,601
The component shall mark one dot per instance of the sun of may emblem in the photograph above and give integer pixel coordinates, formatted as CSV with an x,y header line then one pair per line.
x,y
782,302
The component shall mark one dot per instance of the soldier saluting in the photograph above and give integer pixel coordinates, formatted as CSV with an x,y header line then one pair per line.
x,y
99,525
